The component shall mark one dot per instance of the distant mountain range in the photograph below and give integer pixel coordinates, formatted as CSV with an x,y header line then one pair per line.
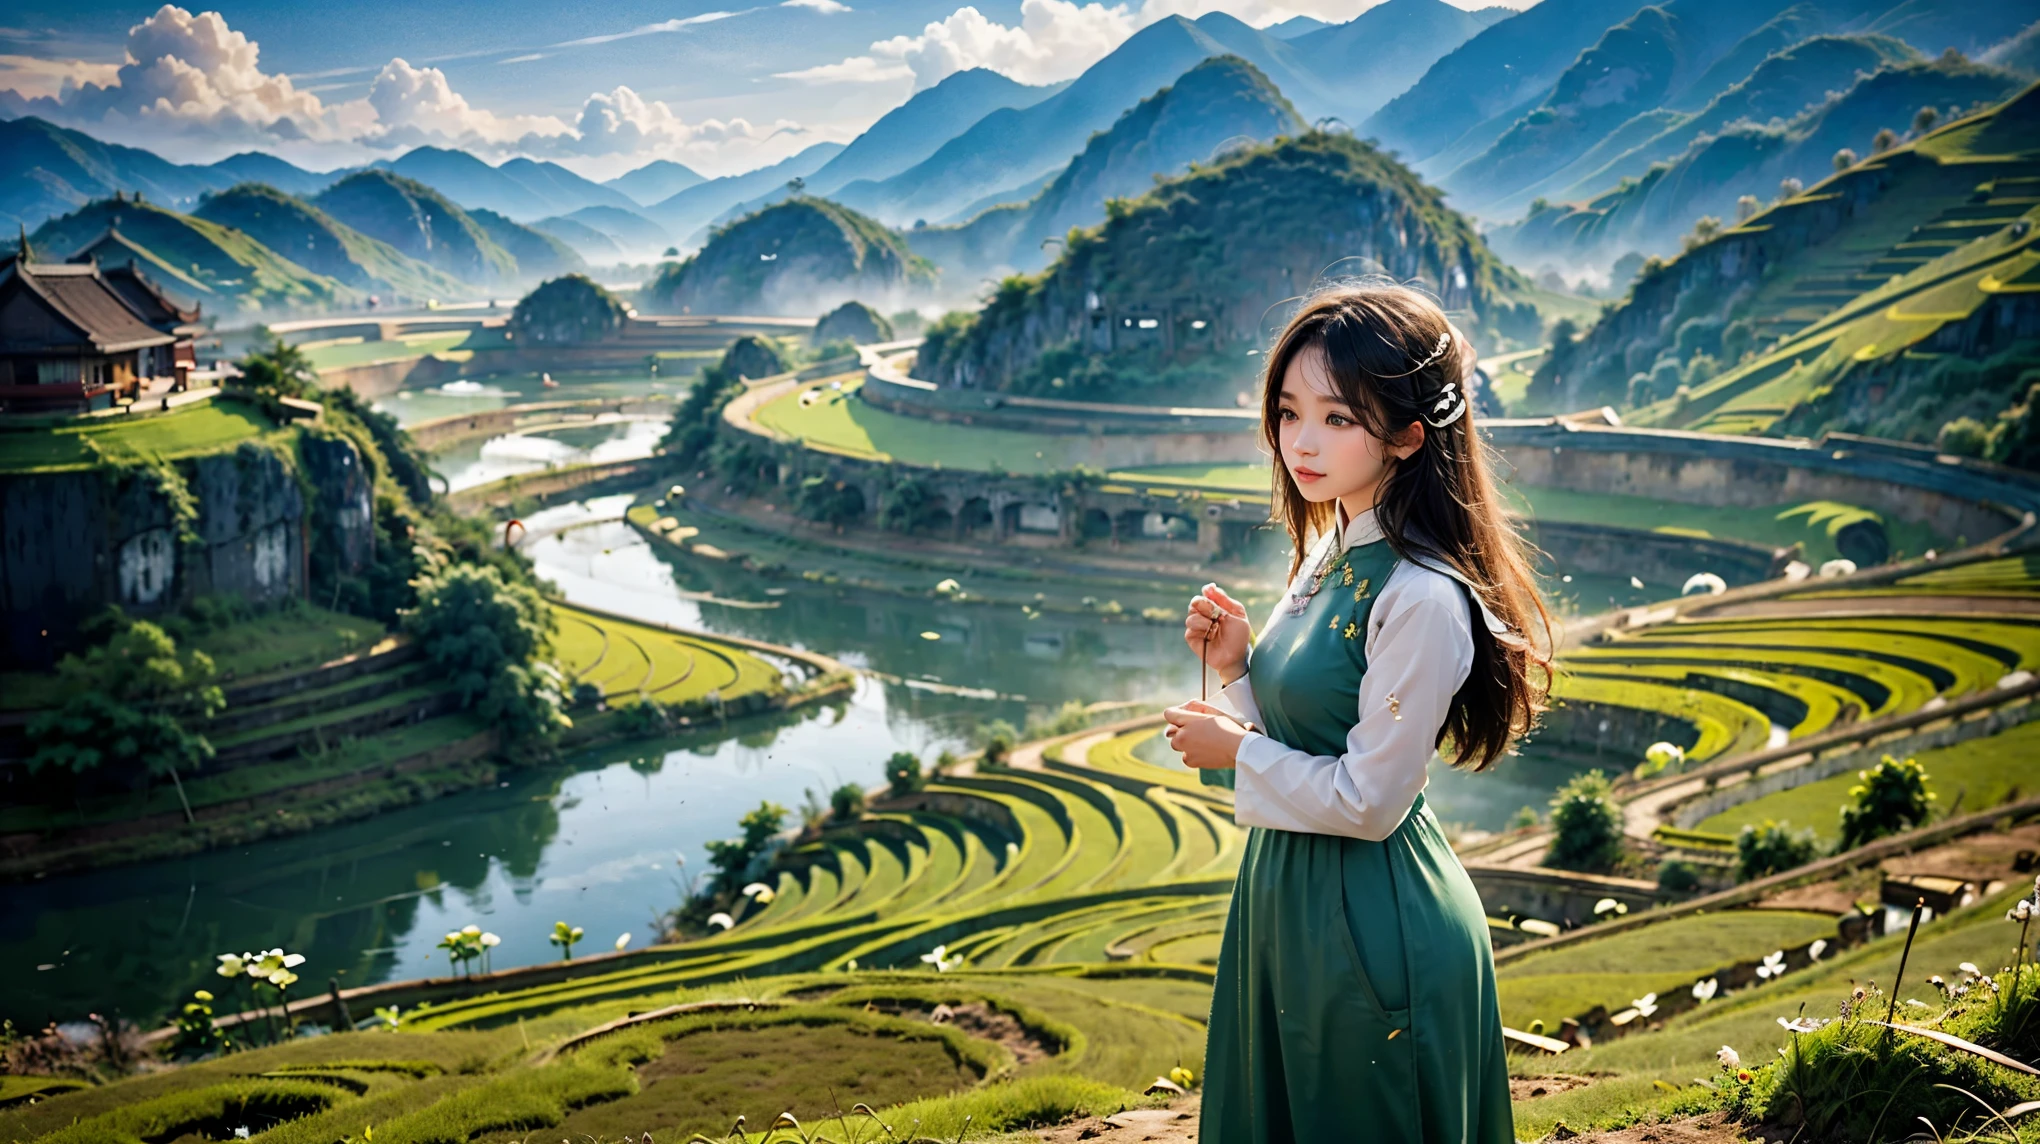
x,y
657,180
1220,102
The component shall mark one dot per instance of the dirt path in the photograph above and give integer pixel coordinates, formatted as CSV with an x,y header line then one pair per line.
x,y
1174,1124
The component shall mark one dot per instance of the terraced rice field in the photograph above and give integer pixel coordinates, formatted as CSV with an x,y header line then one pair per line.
x,y
631,661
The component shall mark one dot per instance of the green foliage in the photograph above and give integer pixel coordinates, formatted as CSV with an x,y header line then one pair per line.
x,y
1963,437
812,239
275,371
732,857
1888,798
1677,876
2015,438
996,739
564,936
488,636
213,1112
846,803
1586,825
1525,818
1772,848
130,705
567,311
903,773
911,504
197,1036
829,500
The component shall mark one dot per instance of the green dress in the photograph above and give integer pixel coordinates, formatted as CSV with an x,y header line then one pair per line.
x,y
1355,992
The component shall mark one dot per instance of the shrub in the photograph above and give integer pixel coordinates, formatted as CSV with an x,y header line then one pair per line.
x,y
567,311
903,773
1963,437
732,857
1676,876
846,802
1772,848
128,706
1586,825
831,501
1891,797
997,738
487,637
1524,818
1844,159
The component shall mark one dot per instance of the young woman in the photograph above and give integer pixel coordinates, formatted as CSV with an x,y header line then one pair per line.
x,y
1355,995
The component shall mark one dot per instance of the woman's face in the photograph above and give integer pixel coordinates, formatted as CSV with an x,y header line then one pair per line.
x,y
1328,452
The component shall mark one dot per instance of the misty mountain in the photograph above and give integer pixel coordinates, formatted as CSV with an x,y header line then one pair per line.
x,y
420,222
1376,56
270,171
686,212
53,170
1013,145
630,230
193,258
520,188
1295,26
659,179
1219,103
910,132
591,244
538,254
315,240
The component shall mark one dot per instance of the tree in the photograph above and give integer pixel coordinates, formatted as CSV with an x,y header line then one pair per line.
x,y
1924,120
488,639
1771,849
2015,439
567,311
830,501
1789,187
1586,825
1746,208
1883,141
998,737
732,857
1705,229
846,802
903,773
1844,159
1963,437
1891,797
130,705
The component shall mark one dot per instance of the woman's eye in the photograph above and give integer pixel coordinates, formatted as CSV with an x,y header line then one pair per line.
x,y
1336,420
1286,415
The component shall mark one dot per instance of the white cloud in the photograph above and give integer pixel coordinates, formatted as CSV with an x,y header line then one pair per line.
x,y
856,69
417,105
662,26
826,7
33,78
624,122
1055,40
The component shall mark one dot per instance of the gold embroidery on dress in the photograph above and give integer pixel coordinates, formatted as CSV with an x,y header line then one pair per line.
x,y
1360,593
1395,707
1350,629
1347,578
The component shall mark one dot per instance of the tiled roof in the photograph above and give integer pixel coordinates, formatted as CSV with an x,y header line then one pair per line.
x,y
120,262
79,296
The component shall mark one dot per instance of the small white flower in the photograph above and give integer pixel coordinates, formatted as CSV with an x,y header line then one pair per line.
x,y
231,966
1645,1005
940,959
1818,947
1636,583
1609,906
1728,1058
622,939
1773,966
1801,1024
470,931
723,920
1706,583
1970,968
241,1133
293,960
757,888
1705,989
852,966
491,941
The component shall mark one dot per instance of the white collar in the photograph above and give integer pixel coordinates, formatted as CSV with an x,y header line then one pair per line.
x,y
1356,531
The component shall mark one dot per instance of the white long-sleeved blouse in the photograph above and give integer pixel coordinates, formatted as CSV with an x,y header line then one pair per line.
x,y
1419,650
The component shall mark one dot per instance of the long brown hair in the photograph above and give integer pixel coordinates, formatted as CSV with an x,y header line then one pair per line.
x,y
1380,344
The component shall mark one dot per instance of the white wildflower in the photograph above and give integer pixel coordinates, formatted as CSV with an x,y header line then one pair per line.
x,y
720,919
1705,989
1728,1058
1772,967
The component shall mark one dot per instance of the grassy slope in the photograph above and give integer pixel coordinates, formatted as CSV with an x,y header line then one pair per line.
x,y
316,240
229,265
1981,772
81,445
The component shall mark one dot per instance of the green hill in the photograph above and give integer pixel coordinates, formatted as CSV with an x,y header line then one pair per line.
x,y
52,170
802,256
538,254
1888,298
1221,99
1651,212
1161,302
320,243
214,264
419,222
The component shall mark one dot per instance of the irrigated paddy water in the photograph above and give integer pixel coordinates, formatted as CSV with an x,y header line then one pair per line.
x,y
609,839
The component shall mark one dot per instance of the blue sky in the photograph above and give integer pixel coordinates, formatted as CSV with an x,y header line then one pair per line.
x,y
600,87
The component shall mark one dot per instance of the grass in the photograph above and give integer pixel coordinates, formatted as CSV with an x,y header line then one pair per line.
x,y
1981,773
340,353
630,661
88,443
302,635
838,422
1806,523
1569,981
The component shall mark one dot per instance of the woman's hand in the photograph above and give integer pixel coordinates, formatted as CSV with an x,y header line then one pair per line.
x,y
1227,652
1206,737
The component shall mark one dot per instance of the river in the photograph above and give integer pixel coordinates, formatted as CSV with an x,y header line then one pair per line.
x,y
607,839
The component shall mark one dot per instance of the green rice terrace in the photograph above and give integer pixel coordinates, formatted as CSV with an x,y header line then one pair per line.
x,y
1033,940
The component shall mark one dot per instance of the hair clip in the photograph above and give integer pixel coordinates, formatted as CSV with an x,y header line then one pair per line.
x,y
1437,351
1451,407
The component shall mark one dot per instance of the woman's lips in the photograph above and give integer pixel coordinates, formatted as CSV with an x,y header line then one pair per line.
x,y
1305,475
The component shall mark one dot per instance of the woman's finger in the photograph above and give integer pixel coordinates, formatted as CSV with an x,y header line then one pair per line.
x,y
1220,599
